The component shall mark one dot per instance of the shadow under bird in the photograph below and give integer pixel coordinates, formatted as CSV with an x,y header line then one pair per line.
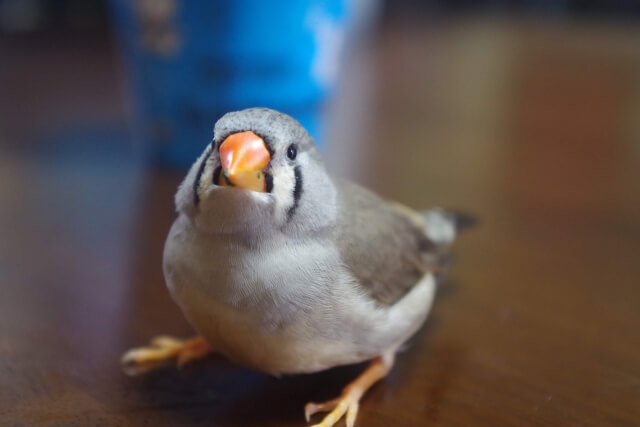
x,y
282,268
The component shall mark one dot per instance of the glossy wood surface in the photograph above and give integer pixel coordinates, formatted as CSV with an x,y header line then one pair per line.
x,y
535,130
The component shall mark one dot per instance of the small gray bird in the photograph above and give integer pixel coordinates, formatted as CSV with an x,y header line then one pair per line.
x,y
284,269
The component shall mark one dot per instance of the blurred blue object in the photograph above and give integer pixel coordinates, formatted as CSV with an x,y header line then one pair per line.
x,y
189,62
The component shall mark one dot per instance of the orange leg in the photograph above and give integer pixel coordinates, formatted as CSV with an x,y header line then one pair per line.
x,y
348,402
166,348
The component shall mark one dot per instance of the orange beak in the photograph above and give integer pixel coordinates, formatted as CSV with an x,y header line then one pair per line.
x,y
243,157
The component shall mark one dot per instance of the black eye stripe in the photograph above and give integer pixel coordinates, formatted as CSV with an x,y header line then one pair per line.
x,y
216,175
297,193
269,181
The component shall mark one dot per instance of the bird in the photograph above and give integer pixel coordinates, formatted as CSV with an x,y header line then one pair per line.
x,y
283,268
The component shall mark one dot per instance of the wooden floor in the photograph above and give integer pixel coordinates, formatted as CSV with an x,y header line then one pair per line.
x,y
536,129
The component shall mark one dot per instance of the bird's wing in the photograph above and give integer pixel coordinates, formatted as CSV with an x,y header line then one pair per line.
x,y
383,244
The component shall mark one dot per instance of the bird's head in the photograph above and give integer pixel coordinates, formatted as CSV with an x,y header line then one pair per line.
x,y
261,172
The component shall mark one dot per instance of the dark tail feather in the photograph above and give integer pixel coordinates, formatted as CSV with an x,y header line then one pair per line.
x,y
464,221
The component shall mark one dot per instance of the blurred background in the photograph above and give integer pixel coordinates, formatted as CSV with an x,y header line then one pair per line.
x,y
525,113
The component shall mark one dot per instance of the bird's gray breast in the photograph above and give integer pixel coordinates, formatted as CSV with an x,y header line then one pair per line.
x,y
278,281
260,302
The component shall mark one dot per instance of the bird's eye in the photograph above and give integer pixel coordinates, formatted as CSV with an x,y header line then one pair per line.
x,y
292,152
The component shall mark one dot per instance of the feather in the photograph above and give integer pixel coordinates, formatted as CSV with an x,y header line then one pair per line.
x,y
384,245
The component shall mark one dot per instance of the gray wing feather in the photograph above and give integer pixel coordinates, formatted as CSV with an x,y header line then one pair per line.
x,y
384,245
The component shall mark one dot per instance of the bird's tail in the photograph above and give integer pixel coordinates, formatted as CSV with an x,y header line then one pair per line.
x,y
442,226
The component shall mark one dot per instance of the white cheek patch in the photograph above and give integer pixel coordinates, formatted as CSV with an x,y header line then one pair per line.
x,y
185,197
206,179
284,182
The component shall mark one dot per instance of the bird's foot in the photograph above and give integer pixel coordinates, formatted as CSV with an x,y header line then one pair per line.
x,y
348,402
165,348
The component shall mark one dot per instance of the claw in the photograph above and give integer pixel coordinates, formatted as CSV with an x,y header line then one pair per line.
x,y
165,348
165,341
312,408
349,402
346,404
352,412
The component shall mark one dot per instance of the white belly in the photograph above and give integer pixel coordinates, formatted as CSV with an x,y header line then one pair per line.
x,y
282,308
291,348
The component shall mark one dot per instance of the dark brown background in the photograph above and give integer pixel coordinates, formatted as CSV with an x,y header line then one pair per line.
x,y
533,127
